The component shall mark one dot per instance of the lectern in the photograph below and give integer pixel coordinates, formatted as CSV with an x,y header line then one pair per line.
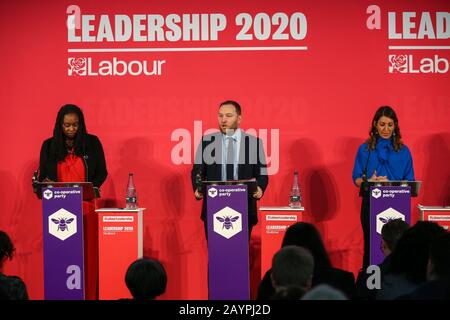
x,y
120,242
388,200
227,232
274,222
62,214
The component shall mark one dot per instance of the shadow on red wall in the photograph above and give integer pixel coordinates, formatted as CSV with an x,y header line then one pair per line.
x,y
24,226
436,168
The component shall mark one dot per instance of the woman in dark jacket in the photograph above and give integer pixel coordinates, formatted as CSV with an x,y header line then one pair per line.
x,y
73,155
71,142
306,235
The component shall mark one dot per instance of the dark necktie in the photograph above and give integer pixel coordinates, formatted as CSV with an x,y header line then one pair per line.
x,y
230,157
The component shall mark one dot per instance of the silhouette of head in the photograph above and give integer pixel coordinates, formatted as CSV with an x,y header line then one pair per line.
x,y
146,279
306,235
6,248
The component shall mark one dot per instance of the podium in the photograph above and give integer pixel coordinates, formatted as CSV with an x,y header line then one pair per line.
x,y
440,215
227,231
62,220
120,242
388,200
274,222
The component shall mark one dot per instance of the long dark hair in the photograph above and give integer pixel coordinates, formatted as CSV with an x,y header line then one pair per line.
x,y
373,132
306,235
58,147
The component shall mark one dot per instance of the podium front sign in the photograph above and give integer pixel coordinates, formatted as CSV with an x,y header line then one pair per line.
x,y
228,260
120,242
439,215
386,203
63,243
274,223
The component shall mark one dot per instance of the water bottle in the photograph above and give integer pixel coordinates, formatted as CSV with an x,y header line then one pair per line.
x,y
295,199
131,197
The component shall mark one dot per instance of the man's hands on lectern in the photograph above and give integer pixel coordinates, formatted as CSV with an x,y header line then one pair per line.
x,y
258,193
198,194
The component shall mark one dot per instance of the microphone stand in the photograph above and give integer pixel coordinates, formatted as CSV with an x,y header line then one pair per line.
x,y
364,174
198,181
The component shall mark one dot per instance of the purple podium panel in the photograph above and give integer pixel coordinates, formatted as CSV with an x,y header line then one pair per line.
x,y
62,212
386,203
228,260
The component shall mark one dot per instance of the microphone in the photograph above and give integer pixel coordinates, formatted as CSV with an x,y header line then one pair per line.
x,y
35,181
364,174
198,181
85,157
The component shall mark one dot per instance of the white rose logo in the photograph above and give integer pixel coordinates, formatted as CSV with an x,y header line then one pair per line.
x,y
398,63
77,66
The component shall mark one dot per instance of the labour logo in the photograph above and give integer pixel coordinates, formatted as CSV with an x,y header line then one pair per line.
x,y
398,63
212,192
227,222
77,66
62,224
386,216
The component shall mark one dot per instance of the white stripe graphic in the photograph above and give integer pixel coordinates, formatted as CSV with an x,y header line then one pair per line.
x,y
419,47
297,48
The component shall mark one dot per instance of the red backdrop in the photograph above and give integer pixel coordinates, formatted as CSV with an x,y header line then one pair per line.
x,y
320,100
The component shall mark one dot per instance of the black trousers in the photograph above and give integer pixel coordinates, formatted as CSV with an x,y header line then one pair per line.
x,y
365,223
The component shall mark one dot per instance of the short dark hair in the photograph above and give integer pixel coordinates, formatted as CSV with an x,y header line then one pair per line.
x,y
292,265
392,231
411,254
146,279
440,256
7,248
236,105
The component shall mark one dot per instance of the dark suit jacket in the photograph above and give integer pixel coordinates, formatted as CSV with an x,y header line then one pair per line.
x,y
337,278
252,164
432,290
12,288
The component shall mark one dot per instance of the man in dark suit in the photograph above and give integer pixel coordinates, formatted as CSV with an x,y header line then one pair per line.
x,y
231,154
